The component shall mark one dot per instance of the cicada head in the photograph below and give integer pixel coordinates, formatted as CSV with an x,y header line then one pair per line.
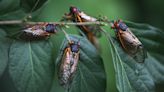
x,y
50,28
74,10
75,47
119,25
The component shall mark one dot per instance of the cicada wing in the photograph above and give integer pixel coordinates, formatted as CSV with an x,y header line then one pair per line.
x,y
141,54
75,60
87,18
132,45
34,33
64,69
95,29
87,30
129,42
83,28
31,36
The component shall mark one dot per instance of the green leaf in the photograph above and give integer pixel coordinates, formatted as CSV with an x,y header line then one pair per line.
x,y
31,5
8,6
19,10
4,49
31,65
90,75
139,77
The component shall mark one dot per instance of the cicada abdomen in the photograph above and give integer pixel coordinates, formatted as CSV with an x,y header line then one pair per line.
x,y
39,31
91,31
68,64
129,42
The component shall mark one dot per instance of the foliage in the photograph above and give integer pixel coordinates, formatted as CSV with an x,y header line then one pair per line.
x,y
30,66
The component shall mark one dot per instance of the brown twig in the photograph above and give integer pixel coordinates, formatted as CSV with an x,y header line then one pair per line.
x,y
11,22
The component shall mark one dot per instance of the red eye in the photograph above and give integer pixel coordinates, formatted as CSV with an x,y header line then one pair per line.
x,y
73,9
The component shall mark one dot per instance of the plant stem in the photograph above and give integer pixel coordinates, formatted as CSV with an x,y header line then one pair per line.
x,y
11,22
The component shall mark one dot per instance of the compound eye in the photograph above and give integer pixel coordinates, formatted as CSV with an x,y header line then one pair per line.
x,y
73,9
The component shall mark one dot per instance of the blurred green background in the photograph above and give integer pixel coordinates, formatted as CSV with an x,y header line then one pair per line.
x,y
140,11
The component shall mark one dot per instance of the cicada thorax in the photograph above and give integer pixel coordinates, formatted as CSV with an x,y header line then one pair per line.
x,y
68,65
129,42
38,31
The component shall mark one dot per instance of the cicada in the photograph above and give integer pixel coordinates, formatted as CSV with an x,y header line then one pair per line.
x,y
129,42
91,31
68,64
39,31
